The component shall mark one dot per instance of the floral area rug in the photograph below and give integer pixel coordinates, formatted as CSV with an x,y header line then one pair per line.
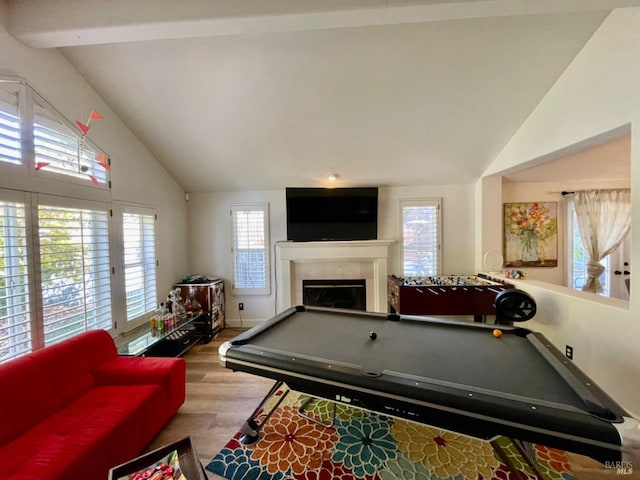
x,y
368,446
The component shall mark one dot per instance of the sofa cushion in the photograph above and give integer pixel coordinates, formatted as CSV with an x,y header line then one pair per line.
x,y
169,373
69,363
28,397
47,379
101,429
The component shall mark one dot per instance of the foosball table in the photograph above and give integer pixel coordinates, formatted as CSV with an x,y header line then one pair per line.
x,y
444,295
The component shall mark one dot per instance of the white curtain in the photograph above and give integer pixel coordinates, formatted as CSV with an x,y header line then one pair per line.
x,y
604,219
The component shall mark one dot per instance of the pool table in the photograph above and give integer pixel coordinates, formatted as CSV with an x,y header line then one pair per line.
x,y
457,376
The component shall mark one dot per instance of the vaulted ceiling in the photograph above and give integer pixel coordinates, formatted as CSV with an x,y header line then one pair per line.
x,y
259,95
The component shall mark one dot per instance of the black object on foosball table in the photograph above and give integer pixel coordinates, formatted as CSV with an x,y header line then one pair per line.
x,y
513,305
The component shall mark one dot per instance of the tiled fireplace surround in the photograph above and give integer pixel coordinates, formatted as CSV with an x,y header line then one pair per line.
x,y
298,261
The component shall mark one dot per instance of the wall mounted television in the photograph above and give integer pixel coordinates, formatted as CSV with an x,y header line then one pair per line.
x,y
323,214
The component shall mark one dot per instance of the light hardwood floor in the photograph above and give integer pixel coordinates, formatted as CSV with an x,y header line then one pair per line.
x,y
218,401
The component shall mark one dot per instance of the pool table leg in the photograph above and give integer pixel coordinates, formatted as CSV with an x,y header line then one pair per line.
x,y
527,456
250,430
527,452
303,414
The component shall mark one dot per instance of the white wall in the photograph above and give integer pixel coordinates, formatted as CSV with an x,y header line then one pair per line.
x,y
457,228
136,175
210,235
599,92
210,245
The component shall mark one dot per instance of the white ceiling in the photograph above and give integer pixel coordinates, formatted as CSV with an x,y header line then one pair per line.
x,y
259,95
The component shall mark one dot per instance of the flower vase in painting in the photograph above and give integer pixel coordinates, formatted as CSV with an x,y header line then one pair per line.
x,y
530,250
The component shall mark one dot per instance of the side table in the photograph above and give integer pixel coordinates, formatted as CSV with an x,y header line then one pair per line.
x,y
147,342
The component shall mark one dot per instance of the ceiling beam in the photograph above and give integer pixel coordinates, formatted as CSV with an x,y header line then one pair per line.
x,y
61,23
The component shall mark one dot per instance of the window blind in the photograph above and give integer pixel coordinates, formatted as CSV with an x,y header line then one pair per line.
x,y
421,237
10,144
15,324
62,150
250,251
75,271
139,240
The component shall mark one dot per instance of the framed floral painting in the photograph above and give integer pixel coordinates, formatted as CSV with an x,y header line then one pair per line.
x,y
531,234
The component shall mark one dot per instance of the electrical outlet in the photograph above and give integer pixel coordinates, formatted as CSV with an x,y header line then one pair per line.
x,y
568,351
241,306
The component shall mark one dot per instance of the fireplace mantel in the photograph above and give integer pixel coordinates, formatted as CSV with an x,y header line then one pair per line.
x,y
373,252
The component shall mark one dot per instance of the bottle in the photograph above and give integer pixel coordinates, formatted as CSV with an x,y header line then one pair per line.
x,y
179,310
188,308
154,325
196,308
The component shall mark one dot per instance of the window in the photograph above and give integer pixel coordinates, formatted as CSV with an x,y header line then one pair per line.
x,y
56,272
250,248
420,220
139,251
579,257
616,273
15,319
62,150
34,134
75,272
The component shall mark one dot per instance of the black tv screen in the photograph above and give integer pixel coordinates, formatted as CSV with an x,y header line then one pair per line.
x,y
319,214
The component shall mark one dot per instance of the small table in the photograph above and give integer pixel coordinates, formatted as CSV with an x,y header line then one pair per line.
x,y
453,375
145,341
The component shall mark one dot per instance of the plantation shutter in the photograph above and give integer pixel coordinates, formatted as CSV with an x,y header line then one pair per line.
x,y
139,240
10,139
15,322
250,249
75,270
60,150
421,227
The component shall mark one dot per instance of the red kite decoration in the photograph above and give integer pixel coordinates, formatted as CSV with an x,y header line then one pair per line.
x,y
83,128
102,160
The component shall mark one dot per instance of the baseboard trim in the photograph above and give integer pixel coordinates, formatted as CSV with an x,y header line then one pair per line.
x,y
244,323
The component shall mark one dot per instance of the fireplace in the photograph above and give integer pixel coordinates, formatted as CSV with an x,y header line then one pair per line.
x,y
299,261
349,294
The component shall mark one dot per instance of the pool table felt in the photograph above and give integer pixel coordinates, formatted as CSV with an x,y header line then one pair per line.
x,y
454,353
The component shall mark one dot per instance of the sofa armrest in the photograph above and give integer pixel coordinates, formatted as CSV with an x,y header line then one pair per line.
x,y
168,373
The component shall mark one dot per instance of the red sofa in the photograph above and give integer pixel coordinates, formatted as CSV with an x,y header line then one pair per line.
x,y
75,409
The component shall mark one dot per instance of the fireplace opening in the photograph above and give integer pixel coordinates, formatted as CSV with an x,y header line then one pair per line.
x,y
348,294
